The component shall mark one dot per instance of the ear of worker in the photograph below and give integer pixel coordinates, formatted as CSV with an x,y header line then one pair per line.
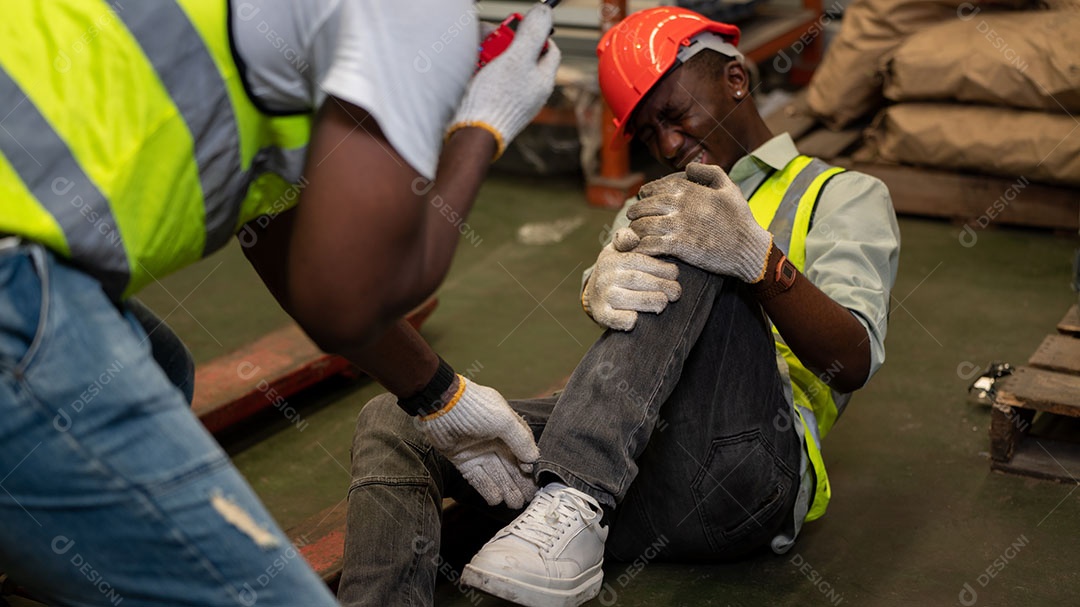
x,y
487,441
507,93
702,218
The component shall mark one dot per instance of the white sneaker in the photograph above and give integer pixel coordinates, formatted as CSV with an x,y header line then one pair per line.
x,y
550,556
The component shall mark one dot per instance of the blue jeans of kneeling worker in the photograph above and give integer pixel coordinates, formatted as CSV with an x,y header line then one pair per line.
x,y
675,424
112,491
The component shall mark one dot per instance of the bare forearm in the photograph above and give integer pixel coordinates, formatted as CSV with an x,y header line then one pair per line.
x,y
371,238
825,336
399,359
462,167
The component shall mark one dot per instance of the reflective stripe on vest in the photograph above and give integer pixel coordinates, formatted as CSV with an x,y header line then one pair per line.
x,y
131,146
784,204
164,33
35,154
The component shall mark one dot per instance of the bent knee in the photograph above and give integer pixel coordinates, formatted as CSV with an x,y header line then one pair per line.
x,y
379,411
387,440
382,417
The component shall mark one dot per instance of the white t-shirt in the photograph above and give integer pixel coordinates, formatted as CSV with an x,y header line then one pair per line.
x,y
406,62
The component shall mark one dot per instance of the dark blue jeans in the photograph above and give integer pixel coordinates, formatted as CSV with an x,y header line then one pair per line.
x,y
673,424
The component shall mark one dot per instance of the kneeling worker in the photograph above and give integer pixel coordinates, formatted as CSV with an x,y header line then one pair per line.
x,y
137,138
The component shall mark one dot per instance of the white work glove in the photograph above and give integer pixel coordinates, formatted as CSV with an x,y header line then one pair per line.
x,y
701,218
487,442
623,284
505,95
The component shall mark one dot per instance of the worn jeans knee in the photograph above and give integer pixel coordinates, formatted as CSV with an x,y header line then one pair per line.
x,y
394,517
389,448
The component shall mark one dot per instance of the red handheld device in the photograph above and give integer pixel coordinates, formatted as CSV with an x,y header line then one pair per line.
x,y
497,41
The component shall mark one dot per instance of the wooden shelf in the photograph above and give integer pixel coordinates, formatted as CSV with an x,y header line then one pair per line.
x,y
577,28
774,29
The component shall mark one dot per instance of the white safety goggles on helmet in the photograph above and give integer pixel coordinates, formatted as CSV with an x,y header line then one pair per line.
x,y
713,42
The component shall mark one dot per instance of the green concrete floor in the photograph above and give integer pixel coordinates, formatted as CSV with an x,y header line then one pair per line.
x,y
916,512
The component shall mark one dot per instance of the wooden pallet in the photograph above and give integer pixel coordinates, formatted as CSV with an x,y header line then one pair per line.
x,y
232,388
1070,324
1050,386
321,541
962,197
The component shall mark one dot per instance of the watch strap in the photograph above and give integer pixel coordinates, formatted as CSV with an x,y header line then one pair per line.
x,y
779,277
430,398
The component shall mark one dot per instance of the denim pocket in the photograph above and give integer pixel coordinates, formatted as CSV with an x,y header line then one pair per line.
x,y
22,308
740,487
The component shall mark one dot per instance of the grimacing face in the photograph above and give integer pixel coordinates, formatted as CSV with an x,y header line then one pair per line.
x,y
690,116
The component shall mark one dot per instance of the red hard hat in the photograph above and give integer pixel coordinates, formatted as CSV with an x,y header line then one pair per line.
x,y
636,52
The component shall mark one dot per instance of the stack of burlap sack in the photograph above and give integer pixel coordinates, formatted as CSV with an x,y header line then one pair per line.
x,y
988,86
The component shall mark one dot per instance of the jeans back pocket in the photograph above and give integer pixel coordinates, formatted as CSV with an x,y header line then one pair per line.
x,y
740,487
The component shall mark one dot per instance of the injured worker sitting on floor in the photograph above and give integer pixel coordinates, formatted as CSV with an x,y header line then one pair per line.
x,y
746,298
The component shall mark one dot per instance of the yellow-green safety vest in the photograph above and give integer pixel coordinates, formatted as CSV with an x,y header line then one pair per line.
x,y
784,204
129,143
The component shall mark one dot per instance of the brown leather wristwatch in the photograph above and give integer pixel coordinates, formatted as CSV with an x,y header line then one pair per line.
x,y
784,275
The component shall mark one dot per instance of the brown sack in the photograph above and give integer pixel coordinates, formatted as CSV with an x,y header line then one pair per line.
x,y
1003,141
1025,60
847,84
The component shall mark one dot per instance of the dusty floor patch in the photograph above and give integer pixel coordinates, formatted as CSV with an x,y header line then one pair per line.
x,y
548,232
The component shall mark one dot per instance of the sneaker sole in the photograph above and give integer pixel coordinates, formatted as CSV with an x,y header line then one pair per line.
x,y
530,595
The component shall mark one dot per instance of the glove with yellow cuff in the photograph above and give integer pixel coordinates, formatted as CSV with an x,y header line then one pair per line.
x,y
507,93
486,440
